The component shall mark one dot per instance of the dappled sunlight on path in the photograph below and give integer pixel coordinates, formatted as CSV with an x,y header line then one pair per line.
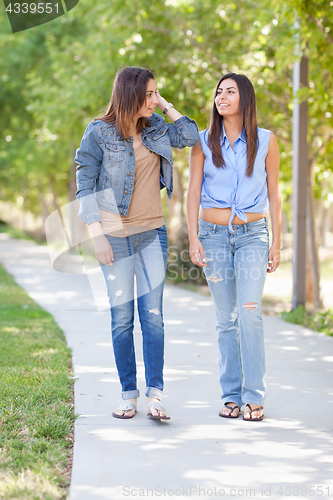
x,y
196,454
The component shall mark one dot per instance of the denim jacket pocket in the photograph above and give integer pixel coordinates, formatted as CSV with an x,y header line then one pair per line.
x,y
115,153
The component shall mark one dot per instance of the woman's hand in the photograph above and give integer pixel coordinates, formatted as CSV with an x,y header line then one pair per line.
x,y
172,113
103,250
196,251
273,258
161,101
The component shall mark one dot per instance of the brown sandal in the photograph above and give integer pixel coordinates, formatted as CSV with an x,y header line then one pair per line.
x,y
125,406
254,419
157,406
230,408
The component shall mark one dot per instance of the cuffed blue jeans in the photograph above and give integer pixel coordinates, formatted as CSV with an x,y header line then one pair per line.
x,y
236,271
143,255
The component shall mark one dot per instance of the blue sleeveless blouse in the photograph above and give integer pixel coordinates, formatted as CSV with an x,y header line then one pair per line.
x,y
229,187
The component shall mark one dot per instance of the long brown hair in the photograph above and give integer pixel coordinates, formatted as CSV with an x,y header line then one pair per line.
x,y
128,95
248,116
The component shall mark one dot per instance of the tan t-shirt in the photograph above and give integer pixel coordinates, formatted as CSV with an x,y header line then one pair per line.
x,y
145,211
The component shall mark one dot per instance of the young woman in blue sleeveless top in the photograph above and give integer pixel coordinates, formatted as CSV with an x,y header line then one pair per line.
x,y
234,173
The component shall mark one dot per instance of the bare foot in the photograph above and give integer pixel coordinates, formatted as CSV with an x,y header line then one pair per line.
x,y
126,413
153,411
255,415
229,412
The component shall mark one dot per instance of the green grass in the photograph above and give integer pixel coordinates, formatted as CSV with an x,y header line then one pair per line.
x,y
15,232
319,321
36,399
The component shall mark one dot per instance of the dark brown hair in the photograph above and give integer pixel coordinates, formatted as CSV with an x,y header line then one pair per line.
x,y
128,95
248,116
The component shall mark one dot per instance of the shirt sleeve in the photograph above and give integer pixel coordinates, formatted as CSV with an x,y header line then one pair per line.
x,y
89,158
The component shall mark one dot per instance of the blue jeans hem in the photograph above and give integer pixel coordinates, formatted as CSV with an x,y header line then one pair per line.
x,y
130,394
153,392
232,400
257,404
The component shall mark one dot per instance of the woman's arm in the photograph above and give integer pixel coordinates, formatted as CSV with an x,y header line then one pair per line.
x,y
193,204
184,131
172,112
88,158
274,198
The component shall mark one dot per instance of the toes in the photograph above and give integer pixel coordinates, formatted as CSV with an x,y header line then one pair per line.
x,y
158,413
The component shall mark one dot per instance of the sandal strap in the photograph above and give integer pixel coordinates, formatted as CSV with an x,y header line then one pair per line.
x,y
127,406
254,409
156,405
232,407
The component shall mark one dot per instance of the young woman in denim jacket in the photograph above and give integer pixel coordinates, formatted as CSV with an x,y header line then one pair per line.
x,y
125,158
234,172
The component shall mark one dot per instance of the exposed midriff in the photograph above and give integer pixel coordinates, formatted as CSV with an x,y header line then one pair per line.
x,y
221,216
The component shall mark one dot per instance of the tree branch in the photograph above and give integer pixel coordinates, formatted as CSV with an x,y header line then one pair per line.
x,y
321,27
321,149
278,102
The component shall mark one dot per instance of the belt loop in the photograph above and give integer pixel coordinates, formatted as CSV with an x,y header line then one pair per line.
x,y
214,229
245,228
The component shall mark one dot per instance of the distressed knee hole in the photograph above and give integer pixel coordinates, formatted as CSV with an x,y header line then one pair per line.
x,y
214,279
250,306
120,292
111,277
154,311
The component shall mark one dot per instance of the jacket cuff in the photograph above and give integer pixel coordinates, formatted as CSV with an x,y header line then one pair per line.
x,y
184,119
89,219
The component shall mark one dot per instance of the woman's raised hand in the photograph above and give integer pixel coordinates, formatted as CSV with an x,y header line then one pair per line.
x,y
161,101
197,254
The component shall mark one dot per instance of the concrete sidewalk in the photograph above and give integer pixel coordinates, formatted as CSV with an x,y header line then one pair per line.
x,y
196,454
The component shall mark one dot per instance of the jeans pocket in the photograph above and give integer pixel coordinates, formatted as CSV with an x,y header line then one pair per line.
x,y
261,233
204,231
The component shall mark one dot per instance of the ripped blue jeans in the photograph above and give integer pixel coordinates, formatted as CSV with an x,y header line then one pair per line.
x,y
145,256
236,271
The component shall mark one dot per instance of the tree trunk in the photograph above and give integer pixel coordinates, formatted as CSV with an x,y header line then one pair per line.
x,y
323,227
72,175
44,207
176,215
314,275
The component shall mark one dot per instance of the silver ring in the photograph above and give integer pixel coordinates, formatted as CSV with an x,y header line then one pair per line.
x,y
270,262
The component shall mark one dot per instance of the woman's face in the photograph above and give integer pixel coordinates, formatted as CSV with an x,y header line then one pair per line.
x,y
152,98
227,98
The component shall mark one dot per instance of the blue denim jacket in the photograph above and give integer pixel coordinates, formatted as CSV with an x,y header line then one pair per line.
x,y
106,163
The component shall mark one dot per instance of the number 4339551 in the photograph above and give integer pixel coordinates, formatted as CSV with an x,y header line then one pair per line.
x,y
32,8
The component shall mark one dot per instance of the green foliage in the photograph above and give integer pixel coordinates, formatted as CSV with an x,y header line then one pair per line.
x,y
36,399
319,321
57,77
